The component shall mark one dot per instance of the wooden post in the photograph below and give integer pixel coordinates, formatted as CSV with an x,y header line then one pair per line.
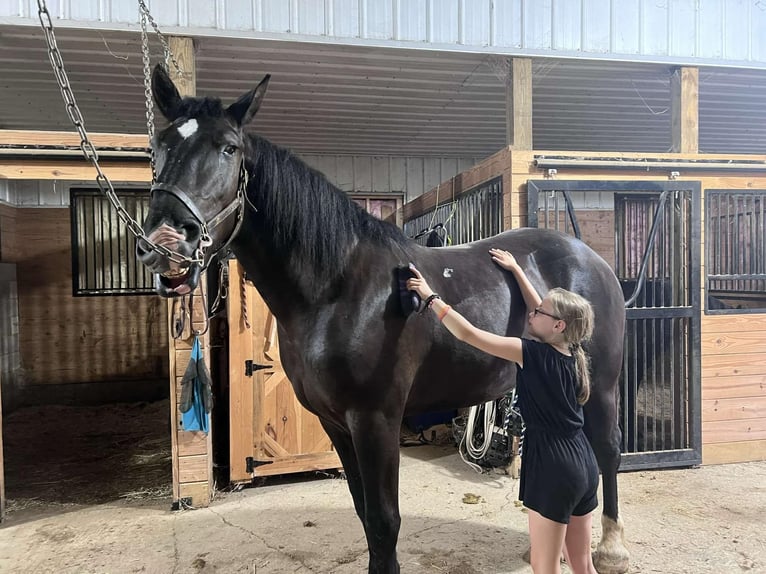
x,y
518,103
192,452
684,107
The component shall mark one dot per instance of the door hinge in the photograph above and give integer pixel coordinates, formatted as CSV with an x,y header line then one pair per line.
x,y
251,464
250,367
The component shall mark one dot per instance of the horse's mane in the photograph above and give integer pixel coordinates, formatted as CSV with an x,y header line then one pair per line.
x,y
310,220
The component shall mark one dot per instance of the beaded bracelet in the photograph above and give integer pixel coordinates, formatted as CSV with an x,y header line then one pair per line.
x,y
443,313
430,301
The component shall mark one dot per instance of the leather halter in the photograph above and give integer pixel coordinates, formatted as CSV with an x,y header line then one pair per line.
x,y
236,205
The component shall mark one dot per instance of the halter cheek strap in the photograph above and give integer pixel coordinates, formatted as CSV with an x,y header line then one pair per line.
x,y
236,205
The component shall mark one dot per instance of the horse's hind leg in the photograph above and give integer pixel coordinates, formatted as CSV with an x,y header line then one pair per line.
x,y
376,443
601,420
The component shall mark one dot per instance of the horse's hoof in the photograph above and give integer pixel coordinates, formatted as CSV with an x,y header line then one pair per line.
x,y
611,563
611,555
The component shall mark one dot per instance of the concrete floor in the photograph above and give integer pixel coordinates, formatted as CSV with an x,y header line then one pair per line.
x,y
695,520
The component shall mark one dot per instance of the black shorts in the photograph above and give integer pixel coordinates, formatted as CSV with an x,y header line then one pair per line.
x,y
559,476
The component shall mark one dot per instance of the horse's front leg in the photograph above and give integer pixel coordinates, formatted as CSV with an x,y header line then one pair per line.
x,y
341,440
376,443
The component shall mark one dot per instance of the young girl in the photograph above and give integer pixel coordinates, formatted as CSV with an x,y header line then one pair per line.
x,y
559,473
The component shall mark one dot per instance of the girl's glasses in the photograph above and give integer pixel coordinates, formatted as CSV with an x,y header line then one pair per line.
x,y
539,311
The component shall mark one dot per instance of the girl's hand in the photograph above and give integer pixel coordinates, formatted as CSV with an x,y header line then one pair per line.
x,y
418,284
504,259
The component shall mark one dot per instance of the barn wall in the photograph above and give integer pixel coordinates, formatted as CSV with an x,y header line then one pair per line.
x,y
76,349
733,371
685,31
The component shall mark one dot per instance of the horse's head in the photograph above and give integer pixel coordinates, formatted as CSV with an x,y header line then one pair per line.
x,y
199,197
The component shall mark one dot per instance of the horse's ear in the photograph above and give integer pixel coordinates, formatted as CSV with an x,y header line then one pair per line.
x,y
245,108
165,93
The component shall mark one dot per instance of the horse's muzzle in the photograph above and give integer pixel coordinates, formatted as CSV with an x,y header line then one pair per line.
x,y
172,279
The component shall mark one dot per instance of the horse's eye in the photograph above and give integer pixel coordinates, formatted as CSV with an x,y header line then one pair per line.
x,y
230,149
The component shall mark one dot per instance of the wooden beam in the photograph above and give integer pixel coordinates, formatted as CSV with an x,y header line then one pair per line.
x,y
518,103
73,170
185,80
684,108
192,473
72,139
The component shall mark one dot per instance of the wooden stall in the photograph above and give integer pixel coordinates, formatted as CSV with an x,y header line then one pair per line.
x,y
270,432
729,387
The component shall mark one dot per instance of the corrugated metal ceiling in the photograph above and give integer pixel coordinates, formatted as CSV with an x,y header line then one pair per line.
x,y
328,99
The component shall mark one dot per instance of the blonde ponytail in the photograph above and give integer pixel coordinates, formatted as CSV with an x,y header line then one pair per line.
x,y
577,313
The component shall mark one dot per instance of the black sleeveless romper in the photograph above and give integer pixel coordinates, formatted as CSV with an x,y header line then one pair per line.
x,y
559,473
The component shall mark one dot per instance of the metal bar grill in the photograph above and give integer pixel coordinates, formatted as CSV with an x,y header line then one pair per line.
x,y
655,249
103,250
476,214
735,250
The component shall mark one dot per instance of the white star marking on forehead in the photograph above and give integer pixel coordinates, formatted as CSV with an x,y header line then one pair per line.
x,y
188,128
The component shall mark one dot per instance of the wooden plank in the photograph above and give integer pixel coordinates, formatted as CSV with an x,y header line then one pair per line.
x,y
736,408
733,430
191,443
725,453
174,398
732,365
51,138
193,469
197,491
684,110
73,170
733,387
521,102
300,463
733,343
241,439
733,323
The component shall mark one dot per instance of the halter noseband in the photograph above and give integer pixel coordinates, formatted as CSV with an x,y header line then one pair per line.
x,y
235,206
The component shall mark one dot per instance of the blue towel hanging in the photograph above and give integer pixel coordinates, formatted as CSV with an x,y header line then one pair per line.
x,y
196,392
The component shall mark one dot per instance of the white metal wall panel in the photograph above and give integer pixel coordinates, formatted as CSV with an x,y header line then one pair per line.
x,y
309,17
476,23
239,15
274,15
412,18
683,27
202,14
566,18
444,21
654,28
672,31
345,18
758,32
710,31
507,23
537,24
735,27
377,19
625,27
596,21
377,174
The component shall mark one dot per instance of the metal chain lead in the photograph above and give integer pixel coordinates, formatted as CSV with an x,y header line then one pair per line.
x,y
87,147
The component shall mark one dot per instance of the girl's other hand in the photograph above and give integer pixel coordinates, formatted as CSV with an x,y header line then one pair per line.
x,y
504,259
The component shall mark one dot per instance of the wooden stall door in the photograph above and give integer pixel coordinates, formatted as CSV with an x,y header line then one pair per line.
x,y
270,432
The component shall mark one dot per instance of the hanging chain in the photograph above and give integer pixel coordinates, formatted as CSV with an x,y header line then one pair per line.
x,y
87,147
146,17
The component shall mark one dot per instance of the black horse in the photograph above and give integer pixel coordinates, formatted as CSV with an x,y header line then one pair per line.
x,y
329,273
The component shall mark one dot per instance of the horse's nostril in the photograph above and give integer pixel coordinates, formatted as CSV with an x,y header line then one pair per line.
x,y
141,248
